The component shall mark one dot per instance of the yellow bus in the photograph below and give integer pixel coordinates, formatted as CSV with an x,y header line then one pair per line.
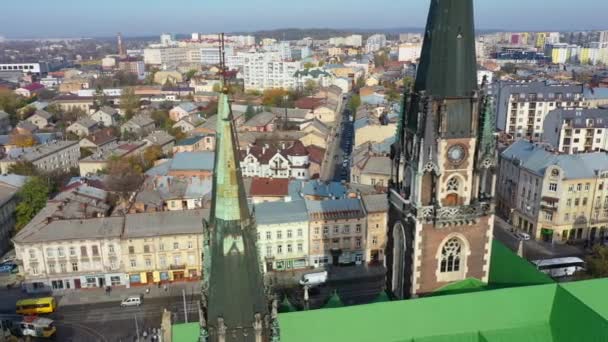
x,y
36,306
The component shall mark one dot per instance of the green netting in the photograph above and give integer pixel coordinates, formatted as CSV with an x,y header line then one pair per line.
x,y
533,333
382,298
464,337
466,286
573,320
188,332
334,301
286,306
507,269
593,293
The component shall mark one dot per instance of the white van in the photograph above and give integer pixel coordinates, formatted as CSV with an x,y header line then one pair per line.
x,y
314,279
131,301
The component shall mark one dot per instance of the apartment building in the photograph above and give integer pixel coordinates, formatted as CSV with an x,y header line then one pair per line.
x,y
54,155
577,130
130,250
523,106
282,235
375,43
338,231
9,186
266,70
376,210
554,197
163,247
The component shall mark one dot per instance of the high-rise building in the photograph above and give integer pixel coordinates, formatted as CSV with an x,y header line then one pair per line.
x,y
441,216
603,39
375,43
235,300
122,51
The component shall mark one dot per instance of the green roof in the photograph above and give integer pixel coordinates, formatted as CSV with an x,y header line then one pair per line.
x,y
465,286
542,313
187,332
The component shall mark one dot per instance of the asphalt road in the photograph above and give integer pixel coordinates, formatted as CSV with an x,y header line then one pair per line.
x,y
108,322
333,157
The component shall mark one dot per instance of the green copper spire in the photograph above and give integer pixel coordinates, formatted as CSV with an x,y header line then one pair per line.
x,y
233,289
448,67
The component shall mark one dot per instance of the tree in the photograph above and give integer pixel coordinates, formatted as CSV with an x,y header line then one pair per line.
x,y
308,65
309,87
217,88
32,198
46,94
408,82
23,168
23,140
321,63
161,119
360,83
129,102
509,68
190,74
99,97
249,112
26,112
354,103
124,176
152,154
274,97
596,264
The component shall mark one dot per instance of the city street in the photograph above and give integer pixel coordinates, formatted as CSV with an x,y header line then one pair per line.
x,y
533,250
334,154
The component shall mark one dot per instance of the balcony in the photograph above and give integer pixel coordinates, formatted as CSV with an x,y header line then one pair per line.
x,y
454,216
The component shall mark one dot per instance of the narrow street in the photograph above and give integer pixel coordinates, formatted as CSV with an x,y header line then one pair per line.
x,y
333,156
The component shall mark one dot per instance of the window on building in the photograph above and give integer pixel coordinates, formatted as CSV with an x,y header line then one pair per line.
x,y
346,229
300,232
317,230
289,234
358,228
374,240
74,267
161,247
289,248
280,249
587,186
358,243
177,260
268,250
72,251
548,216
553,187
146,248
268,236
571,188
133,263
337,230
325,230
189,244
95,250
131,250
579,187
584,201
60,252
300,247
451,254
50,252
148,262
63,268
163,261
176,245
577,201
453,184
569,202
111,248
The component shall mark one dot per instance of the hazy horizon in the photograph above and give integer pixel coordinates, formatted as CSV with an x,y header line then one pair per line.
x,y
74,18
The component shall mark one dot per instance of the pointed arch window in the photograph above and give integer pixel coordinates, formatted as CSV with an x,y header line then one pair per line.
x,y
451,256
453,184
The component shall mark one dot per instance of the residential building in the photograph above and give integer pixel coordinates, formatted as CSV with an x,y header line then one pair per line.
x,y
100,140
29,90
577,130
195,143
186,164
325,110
9,186
409,52
140,125
265,190
369,129
163,247
27,68
41,118
162,139
375,43
317,190
369,168
73,102
265,70
70,254
376,210
170,193
554,197
106,116
521,107
83,127
189,123
98,161
338,232
182,110
282,229
268,161
51,156
261,122
134,66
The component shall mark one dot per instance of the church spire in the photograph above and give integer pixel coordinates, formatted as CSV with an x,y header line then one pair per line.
x,y
237,308
448,67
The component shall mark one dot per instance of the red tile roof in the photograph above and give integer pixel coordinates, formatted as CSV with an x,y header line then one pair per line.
x,y
308,103
277,187
297,149
315,154
33,86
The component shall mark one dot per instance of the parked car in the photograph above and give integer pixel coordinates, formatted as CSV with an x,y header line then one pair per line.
x,y
132,301
8,268
523,236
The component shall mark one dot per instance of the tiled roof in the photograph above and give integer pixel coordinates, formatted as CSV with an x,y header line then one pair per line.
x,y
102,137
315,154
261,119
264,187
297,149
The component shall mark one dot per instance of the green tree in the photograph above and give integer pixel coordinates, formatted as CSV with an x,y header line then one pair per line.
x,y
249,112
99,97
152,154
125,175
354,103
129,102
360,83
596,264
23,168
190,74
408,82
309,87
308,65
32,198
321,63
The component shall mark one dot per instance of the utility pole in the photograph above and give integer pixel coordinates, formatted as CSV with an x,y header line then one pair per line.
x,y
185,306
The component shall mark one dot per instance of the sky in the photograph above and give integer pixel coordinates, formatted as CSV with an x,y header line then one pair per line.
x,y
89,18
